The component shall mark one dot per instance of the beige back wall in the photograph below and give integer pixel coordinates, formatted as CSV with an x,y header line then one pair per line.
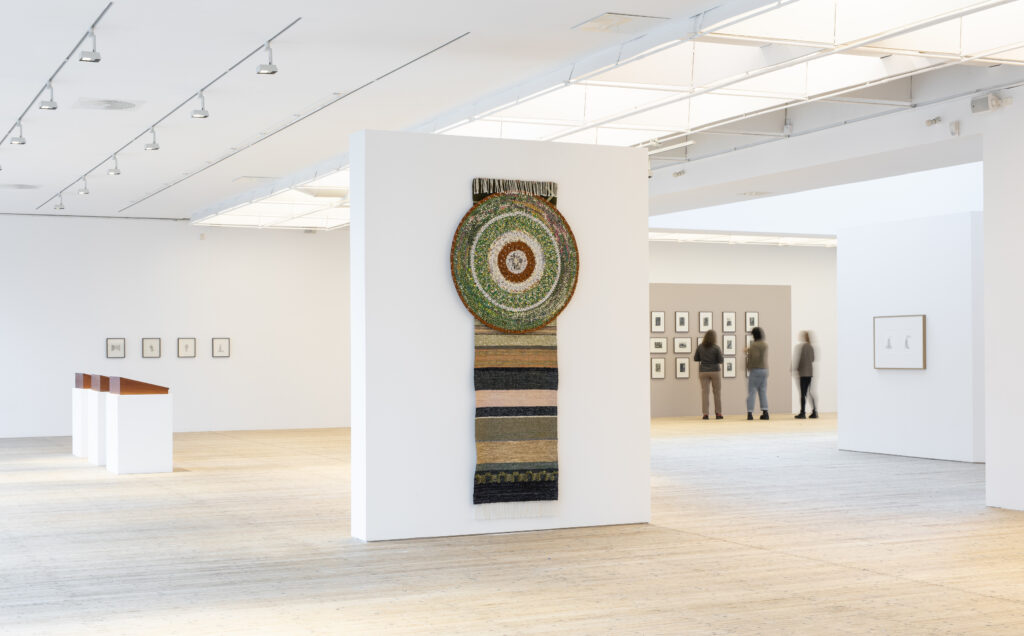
x,y
672,397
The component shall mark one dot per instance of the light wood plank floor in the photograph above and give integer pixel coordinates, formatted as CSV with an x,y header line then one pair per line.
x,y
758,528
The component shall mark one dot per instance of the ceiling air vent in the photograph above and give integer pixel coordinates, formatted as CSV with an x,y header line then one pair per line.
x,y
620,23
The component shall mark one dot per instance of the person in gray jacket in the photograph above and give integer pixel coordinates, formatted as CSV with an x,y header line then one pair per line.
x,y
709,355
757,367
804,368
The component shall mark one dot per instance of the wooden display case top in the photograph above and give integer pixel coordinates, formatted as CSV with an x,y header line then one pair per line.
x,y
127,386
83,380
100,383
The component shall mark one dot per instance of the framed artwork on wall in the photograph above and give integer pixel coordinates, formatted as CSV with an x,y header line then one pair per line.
x,y
728,322
657,321
900,342
682,345
151,347
186,347
221,347
729,368
115,347
682,321
750,340
751,320
705,321
658,368
729,345
659,345
682,367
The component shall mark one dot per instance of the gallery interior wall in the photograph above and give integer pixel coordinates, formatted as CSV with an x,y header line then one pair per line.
x,y
924,266
810,273
413,452
281,296
676,397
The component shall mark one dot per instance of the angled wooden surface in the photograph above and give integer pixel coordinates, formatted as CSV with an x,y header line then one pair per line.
x,y
127,386
759,528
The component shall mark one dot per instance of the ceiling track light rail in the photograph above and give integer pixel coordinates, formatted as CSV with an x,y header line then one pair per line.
x,y
50,104
151,129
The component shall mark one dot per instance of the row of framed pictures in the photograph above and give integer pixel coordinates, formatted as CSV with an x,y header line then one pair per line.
x,y
686,344
683,368
705,321
219,347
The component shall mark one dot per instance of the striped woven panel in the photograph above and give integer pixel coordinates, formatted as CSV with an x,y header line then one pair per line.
x,y
516,381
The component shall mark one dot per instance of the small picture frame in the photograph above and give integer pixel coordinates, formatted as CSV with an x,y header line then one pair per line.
x,y
751,321
115,347
659,345
706,321
657,322
750,340
682,321
728,322
657,368
186,347
682,368
682,345
729,368
221,347
151,347
729,344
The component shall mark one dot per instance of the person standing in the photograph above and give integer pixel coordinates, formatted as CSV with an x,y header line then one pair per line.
x,y
805,371
757,367
709,354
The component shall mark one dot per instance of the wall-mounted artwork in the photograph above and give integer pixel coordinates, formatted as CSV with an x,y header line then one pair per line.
x,y
659,345
186,347
682,321
151,347
682,368
682,345
900,342
728,322
729,368
658,368
705,321
750,340
729,345
751,320
657,321
221,347
115,347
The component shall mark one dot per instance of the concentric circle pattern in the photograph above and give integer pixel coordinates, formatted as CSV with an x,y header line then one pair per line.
x,y
514,262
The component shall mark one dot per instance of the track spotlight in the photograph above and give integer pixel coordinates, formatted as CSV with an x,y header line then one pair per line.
x,y
48,104
19,139
201,112
153,145
90,56
115,170
85,187
269,68
59,205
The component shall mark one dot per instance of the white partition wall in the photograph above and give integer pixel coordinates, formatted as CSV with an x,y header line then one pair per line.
x,y
79,422
413,452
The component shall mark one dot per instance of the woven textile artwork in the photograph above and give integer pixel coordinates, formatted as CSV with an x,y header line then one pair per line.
x,y
516,379
515,263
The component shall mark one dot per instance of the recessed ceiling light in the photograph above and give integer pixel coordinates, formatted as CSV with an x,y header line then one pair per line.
x,y
153,145
201,112
269,68
92,55
19,139
48,104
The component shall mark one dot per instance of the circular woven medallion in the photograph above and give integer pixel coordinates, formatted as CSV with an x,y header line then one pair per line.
x,y
514,262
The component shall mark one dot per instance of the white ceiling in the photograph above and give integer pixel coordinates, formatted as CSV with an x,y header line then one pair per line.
x,y
157,53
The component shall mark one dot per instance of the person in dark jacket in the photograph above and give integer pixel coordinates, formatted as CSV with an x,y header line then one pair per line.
x,y
804,367
709,355
757,367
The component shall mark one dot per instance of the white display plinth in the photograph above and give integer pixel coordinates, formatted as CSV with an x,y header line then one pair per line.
x,y
79,419
139,434
96,427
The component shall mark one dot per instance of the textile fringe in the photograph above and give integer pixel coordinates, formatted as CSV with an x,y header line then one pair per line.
x,y
515,510
483,187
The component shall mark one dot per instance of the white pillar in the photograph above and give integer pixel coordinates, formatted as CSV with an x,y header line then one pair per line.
x,y
79,421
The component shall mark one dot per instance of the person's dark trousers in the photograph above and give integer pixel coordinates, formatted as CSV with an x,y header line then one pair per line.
x,y
805,388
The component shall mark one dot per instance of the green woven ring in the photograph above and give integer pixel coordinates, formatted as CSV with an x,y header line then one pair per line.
x,y
514,262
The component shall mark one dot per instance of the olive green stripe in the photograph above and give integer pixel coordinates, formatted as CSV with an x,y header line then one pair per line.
x,y
515,340
507,429
519,466
518,347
